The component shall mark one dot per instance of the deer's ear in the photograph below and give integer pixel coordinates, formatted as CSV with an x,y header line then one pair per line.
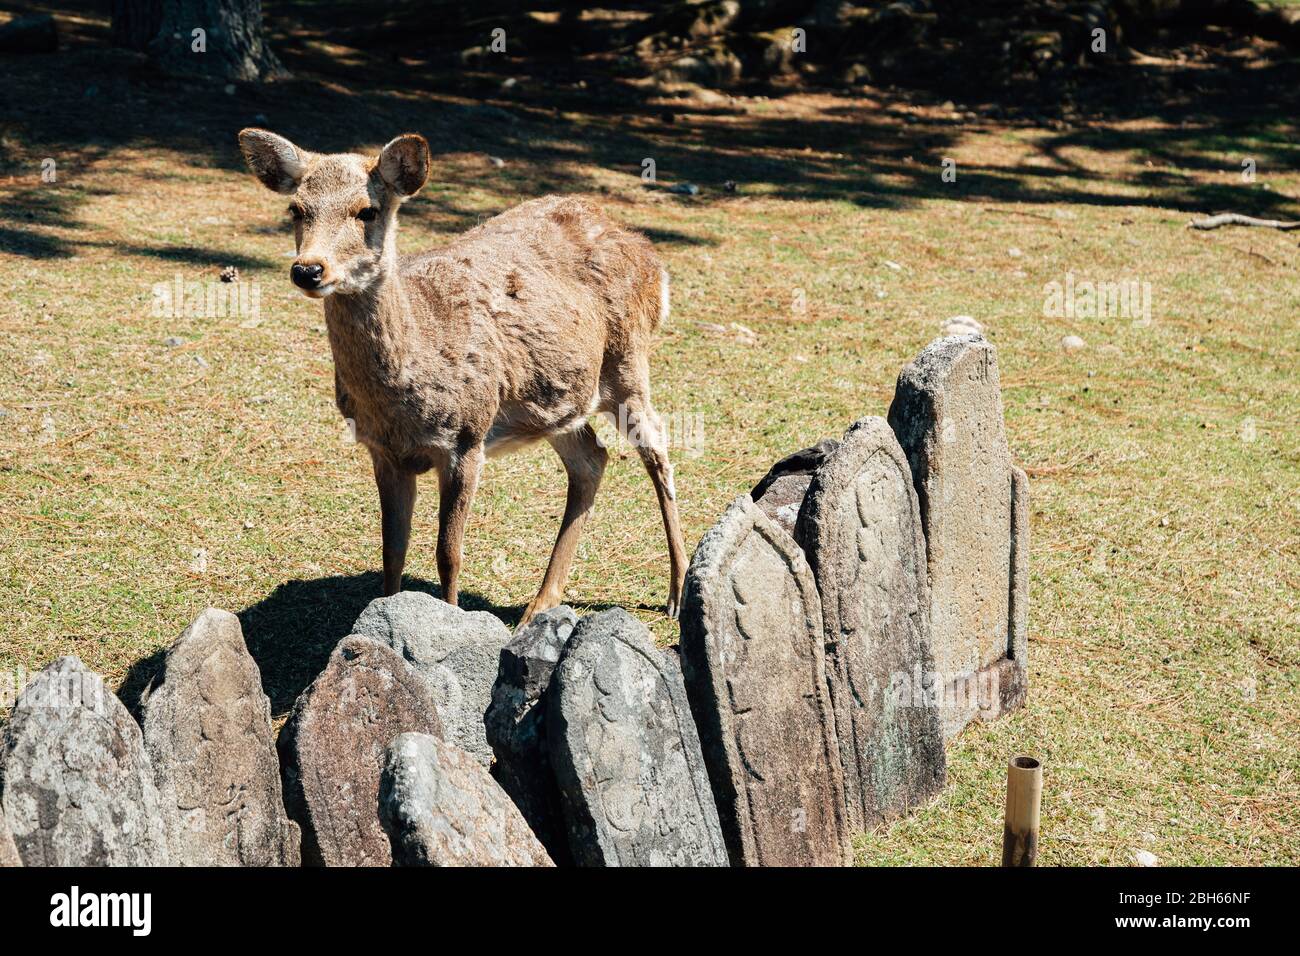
x,y
274,160
404,164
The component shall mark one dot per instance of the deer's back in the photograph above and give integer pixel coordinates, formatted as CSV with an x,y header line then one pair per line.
x,y
551,294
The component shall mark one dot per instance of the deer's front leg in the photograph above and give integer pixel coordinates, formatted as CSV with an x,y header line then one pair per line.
x,y
396,503
457,480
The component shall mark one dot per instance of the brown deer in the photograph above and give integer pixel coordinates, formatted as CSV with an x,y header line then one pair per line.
x,y
520,329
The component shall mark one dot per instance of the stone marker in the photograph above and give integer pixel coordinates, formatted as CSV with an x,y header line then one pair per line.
x,y
207,730
626,754
782,500
861,531
752,652
781,490
8,852
78,789
947,414
456,650
332,749
516,725
441,808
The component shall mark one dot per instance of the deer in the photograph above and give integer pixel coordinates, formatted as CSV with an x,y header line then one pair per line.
x,y
522,329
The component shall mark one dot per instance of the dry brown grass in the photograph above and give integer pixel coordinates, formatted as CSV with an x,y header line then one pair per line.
x,y
1164,620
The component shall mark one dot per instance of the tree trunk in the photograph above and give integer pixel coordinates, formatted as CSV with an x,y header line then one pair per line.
x,y
230,46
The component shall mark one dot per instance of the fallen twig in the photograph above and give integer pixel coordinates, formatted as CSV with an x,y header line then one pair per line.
x,y
79,436
1236,219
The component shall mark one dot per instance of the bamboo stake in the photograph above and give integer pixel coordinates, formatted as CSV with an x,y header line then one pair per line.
x,y
1024,796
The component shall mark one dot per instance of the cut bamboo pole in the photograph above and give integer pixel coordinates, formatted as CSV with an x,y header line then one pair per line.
x,y
1024,796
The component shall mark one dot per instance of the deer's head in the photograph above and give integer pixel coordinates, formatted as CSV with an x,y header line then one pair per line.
x,y
343,205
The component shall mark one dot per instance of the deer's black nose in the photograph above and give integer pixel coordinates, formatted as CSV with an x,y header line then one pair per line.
x,y
306,277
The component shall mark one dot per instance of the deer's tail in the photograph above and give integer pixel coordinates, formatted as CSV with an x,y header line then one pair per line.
x,y
661,318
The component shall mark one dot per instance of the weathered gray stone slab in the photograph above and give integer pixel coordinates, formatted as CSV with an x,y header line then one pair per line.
x,y
753,657
516,725
780,492
947,414
78,789
332,749
860,528
8,852
441,808
626,754
783,499
456,650
1019,610
207,730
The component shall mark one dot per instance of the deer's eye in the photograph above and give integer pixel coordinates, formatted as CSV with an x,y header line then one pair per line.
x,y
369,214
295,212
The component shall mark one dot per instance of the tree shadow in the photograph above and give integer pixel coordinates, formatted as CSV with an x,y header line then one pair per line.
x,y
293,630
566,123
197,256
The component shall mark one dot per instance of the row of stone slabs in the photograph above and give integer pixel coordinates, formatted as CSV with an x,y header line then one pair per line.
x,y
374,767
816,628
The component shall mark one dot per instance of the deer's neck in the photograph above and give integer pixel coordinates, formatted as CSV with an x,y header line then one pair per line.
x,y
372,333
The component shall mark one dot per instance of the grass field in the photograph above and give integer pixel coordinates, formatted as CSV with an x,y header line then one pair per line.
x,y
142,481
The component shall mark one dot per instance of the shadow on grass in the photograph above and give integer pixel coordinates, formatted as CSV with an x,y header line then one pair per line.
x,y
197,256
292,632
88,104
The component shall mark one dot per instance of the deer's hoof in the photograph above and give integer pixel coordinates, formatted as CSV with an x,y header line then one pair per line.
x,y
529,613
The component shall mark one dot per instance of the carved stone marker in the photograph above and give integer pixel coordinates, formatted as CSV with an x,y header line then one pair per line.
x,y
861,531
626,754
754,662
78,789
780,492
516,725
207,730
947,414
332,749
456,650
441,808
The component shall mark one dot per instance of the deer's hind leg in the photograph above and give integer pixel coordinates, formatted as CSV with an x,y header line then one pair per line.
x,y
646,433
584,460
